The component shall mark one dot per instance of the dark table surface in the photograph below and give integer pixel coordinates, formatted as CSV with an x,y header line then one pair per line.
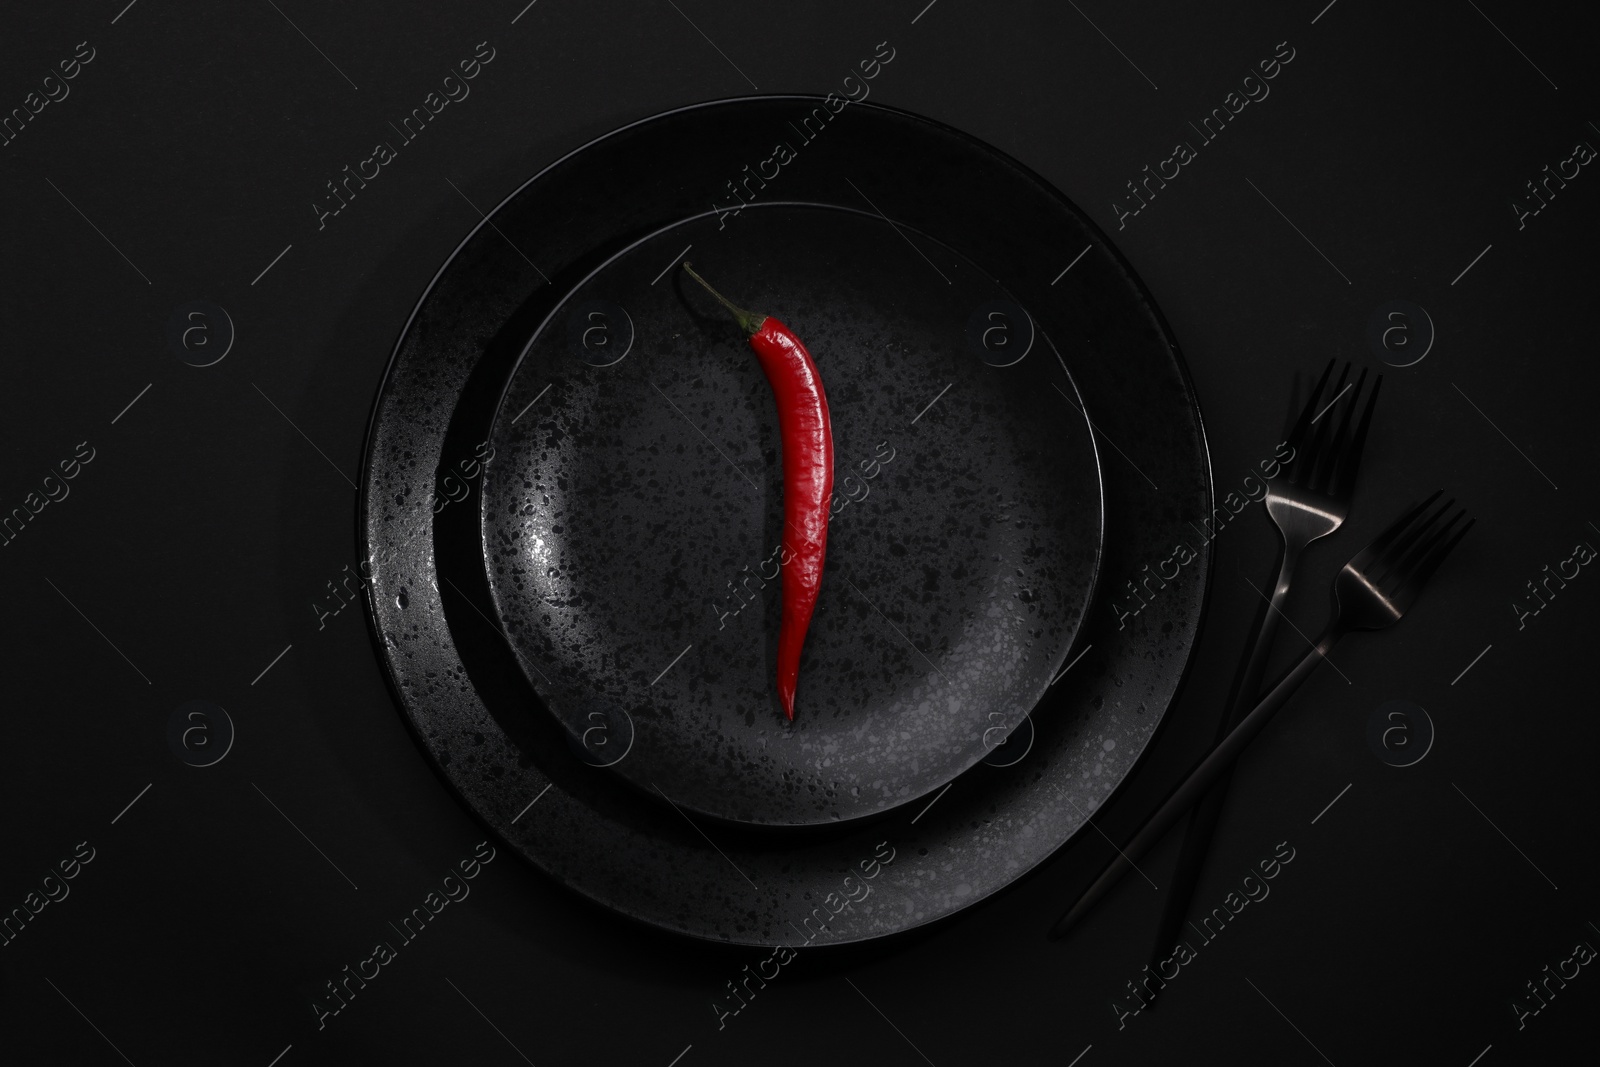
x,y
183,161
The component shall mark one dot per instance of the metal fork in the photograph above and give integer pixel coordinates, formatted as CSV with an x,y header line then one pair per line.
x,y
1373,590
1309,500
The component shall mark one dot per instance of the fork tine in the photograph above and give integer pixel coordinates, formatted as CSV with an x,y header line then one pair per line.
x,y
1297,433
1407,548
1358,443
1320,451
1350,408
1428,562
1404,561
1335,432
1380,544
1431,564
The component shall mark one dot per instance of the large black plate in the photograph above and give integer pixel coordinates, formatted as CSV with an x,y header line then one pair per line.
x,y
461,690
632,512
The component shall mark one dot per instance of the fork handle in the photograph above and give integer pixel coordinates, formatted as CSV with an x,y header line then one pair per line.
x,y
1208,811
1198,780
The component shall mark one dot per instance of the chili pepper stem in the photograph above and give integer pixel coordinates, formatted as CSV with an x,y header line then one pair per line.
x,y
749,321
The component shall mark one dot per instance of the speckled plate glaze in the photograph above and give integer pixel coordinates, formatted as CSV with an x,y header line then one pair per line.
x,y
632,515
461,690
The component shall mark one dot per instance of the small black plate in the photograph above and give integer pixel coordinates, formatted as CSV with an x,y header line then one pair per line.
x,y
632,515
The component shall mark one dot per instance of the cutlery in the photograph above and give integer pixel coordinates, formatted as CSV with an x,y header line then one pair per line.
x,y
1309,500
1371,592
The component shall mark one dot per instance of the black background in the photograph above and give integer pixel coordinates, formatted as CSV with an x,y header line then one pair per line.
x,y
190,550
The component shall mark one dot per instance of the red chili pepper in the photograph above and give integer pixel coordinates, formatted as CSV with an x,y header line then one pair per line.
x,y
807,438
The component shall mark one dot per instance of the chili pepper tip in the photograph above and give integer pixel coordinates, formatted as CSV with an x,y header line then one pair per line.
x,y
749,321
